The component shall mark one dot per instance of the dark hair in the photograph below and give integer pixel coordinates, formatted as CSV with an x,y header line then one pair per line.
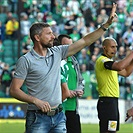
x,y
60,37
56,42
37,28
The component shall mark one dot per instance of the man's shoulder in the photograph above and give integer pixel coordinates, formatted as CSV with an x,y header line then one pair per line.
x,y
25,57
102,60
28,54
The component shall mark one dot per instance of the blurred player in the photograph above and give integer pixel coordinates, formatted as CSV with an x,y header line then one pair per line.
x,y
71,72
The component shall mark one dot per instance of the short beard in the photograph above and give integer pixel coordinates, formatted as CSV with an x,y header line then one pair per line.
x,y
46,45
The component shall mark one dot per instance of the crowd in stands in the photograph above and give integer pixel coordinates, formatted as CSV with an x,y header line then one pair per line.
x,y
73,17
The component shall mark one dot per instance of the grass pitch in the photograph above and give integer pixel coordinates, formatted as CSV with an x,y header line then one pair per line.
x,y
94,128
10,127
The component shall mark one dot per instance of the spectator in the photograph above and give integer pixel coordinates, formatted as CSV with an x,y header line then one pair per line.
x,y
39,17
74,6
12,28
4,5
6,78
117,29
87,86
1,50
54,27
13,5
70,25
66,13
25,25
27,44
121,53
96,51
2,31
121,18
80,24
128,21
102,17
91,27
88,16
9,16
128,94
128,35
112,33
75,35
92,62
83,58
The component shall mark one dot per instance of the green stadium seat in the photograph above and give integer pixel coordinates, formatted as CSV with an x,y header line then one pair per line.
x,y
15,15
9,60
1,56
15,48
3,17
7,48
32,20
2,94
8,52
7,42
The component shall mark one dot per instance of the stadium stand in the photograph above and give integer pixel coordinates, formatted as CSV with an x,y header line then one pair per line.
x,y
86,14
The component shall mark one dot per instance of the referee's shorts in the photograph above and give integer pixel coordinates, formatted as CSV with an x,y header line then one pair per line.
x,y
108,114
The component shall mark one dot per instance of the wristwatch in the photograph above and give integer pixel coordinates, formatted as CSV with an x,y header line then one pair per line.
x,y
103,27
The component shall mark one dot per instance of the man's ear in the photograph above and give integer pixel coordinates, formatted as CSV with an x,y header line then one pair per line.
x,y
37,38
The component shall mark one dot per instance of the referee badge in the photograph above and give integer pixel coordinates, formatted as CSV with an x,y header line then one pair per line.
x,y
112,125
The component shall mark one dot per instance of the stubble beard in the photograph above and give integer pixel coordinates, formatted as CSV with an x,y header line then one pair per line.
x,y
48,45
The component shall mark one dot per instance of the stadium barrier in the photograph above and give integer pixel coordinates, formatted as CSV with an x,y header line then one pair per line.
x,y
88,111
12,109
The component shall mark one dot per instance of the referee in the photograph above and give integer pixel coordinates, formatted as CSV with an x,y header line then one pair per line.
x,y
107,71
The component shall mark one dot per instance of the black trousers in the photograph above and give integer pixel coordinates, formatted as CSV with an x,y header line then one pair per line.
x,y
108,111
73,122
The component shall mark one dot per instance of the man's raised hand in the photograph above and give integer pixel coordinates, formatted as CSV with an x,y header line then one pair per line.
x,y
112,15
